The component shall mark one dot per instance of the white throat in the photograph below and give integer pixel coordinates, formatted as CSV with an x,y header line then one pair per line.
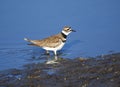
x,y
66,33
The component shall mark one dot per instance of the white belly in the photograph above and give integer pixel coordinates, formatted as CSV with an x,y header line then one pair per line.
x,y
56,48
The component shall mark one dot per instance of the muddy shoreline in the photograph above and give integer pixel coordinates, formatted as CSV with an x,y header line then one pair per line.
x,y
102,71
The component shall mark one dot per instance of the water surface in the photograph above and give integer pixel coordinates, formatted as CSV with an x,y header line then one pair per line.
x,y
97,24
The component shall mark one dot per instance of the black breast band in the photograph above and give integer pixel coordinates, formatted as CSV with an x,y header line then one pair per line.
x,y
63,41
65,36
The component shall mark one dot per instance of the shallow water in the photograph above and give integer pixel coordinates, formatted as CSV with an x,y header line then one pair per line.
x,y
97,24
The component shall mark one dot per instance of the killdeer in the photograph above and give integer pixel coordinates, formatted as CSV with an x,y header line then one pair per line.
x,y
52,43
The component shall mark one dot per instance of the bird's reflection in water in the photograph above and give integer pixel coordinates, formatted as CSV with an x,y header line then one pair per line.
x,y
52,60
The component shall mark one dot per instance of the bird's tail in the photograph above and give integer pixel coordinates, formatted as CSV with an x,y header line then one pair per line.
x,y
32,42
26,39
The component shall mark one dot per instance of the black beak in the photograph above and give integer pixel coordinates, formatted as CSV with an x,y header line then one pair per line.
x,y
73,30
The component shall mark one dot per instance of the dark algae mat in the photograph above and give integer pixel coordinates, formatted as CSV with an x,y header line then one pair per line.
x,y
102,71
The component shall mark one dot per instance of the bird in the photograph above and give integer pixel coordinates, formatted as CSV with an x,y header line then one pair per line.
x,y
54,42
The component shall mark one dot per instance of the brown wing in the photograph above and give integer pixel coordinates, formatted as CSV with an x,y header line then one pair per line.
x,y
52,41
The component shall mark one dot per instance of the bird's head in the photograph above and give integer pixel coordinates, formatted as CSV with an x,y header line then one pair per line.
x,y
67,30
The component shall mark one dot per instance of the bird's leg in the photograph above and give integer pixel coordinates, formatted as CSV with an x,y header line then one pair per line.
x,y
55,53
56,58
47,52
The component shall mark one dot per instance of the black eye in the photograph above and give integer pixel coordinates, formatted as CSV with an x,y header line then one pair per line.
x,y
68,29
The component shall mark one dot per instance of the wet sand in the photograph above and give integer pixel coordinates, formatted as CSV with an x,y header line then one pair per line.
x,y
102,71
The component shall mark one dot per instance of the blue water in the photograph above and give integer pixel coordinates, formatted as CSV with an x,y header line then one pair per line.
x,y
97,24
